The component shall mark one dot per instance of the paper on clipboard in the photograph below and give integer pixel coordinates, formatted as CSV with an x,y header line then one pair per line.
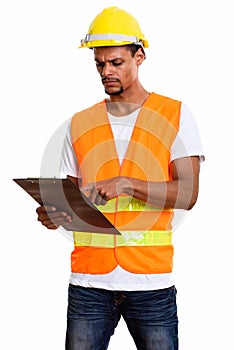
x,y
66,196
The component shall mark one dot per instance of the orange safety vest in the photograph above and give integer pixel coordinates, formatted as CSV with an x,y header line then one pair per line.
x,y
145,243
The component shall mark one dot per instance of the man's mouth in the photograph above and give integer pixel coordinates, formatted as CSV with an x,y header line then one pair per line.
x,y
110,82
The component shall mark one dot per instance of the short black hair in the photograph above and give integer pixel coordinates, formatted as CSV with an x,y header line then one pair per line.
x,y
133,48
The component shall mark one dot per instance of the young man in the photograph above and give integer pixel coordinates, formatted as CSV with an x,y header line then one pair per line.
x,y
136,155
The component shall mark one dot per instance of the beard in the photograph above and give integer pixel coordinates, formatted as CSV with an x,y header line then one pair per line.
x,y
114,93
109,91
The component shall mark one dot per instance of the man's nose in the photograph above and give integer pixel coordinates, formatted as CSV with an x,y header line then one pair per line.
x,y
107,70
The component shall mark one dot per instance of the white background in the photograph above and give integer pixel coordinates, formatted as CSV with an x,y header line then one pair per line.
x,y
44,80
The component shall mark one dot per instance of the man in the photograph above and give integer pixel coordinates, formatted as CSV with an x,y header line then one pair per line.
x,y
136,155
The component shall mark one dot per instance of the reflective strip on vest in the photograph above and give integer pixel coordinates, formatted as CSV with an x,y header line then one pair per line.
x,y
138,238
127,203
139,223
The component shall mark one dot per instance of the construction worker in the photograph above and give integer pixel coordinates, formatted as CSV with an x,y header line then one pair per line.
x,y
137,156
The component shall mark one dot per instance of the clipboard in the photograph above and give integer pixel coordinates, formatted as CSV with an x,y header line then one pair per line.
x,y
64,195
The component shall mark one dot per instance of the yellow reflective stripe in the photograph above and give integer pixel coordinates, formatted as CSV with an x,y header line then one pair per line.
x,y
149,238
138,238
127,203
93,239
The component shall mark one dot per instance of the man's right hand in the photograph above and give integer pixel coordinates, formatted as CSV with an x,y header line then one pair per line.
x,y
51,218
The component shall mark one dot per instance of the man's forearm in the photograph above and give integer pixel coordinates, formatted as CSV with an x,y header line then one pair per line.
x,y
169,194
181,192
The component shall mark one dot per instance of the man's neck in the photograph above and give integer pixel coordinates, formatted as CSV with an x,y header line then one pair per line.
x,y
124,104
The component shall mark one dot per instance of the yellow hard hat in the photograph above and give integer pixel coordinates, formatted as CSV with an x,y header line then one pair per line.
x,y
114,27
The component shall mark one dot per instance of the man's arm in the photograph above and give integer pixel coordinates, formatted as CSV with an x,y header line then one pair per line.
x,y
180,192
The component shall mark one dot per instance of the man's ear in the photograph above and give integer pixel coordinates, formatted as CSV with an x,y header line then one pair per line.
x,y
139,56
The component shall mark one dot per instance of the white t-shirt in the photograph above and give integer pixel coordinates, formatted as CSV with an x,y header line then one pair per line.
x,y
187,143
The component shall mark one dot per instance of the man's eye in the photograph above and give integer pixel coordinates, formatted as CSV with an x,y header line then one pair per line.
x,y
99,64
117,63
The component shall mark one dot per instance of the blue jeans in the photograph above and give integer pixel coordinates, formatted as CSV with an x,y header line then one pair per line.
x,y
93,314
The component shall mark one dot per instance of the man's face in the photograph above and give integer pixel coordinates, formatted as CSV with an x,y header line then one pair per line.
x,y
117,68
